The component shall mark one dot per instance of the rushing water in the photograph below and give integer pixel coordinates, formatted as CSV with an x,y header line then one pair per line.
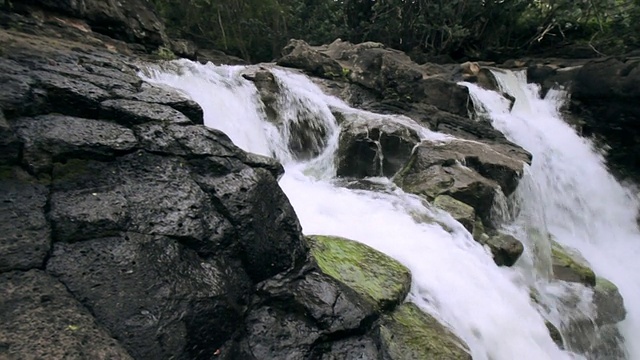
x,y
569,192
454,278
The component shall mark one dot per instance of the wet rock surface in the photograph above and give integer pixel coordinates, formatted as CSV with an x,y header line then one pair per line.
x,y
468,171
35,303
129,230
373,148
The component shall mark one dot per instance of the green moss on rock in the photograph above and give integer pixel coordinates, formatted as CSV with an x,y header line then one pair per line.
x,y
379,278
609,303
569,266
408,333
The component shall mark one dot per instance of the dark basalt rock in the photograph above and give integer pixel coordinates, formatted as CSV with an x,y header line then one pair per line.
x,y
42,320
70,96
9,145
24,232
132,112
331,309
51,138
140,192
157,296
269,233
156,95
131,21
355,348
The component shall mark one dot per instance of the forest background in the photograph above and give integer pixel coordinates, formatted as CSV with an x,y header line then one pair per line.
x,y
429,30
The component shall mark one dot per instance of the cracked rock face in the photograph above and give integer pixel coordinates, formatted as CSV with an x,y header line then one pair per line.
x,y
130,223
129,230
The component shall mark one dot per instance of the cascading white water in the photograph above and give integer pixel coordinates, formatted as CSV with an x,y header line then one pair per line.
x,y
454,278
569,191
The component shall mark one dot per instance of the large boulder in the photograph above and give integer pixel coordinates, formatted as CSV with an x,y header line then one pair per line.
x,y
381,280
394,75
599,336
141,223
605,97
389,73
569,265
371,145
298,54
410,334
469,171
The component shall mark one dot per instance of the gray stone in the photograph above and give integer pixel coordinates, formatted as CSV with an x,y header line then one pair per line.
x,y
460,211
373,146
506,249
299,54
469,171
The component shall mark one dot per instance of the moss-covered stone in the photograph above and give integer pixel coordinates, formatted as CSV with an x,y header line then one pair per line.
x,y
570,266
164,53
379,278
609,302
460,211
408,333
555,334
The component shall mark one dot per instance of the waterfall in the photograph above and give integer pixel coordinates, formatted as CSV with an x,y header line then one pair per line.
x,y
454,278
569,191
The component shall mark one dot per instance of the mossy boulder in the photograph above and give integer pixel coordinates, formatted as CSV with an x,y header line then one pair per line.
x,y
408,333
377,277
568,265
460,211
609,302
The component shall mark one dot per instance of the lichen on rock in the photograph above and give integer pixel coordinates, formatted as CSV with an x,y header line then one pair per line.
x,y
408,334
569,266
372,274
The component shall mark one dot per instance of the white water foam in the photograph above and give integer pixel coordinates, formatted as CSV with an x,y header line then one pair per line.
x,y
454,278
569,191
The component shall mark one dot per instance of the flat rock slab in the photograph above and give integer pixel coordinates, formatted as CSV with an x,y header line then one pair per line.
x,y
157,95
49,138
132,112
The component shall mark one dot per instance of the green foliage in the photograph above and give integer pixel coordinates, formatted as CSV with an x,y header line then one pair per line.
x,y
257,29
165,54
